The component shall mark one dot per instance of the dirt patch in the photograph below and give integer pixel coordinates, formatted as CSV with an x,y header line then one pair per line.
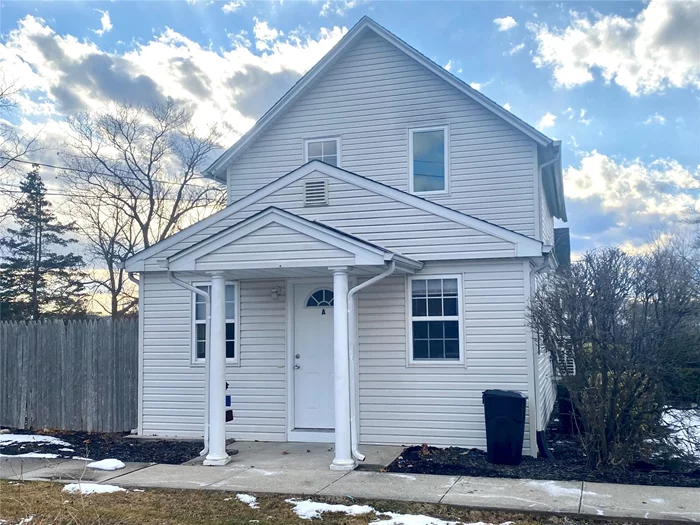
x,y
99,446
568,465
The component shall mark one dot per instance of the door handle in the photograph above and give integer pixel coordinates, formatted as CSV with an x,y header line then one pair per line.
x,y
297,367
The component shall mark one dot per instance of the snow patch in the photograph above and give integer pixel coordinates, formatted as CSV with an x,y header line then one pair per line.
x,y
91,488
249,500
308,509
13,439
685,430
107,464
64,449
30,455
416,519
657,500
81,459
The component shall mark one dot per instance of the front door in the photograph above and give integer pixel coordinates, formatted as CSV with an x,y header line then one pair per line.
x,y
313,356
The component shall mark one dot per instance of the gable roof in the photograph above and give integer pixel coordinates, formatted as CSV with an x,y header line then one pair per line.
x,y
360,252
524,246
217,170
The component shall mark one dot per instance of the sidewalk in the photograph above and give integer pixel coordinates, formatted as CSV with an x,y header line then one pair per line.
x,y
275,475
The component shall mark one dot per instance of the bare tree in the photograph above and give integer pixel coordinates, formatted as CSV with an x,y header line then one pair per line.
x,y
630,324
14,145
136,174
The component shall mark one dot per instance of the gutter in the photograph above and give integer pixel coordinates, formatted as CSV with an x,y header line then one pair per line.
x,y
207,302
352,324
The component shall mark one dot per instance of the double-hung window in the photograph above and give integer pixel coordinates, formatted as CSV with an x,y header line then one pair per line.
x,y
200,323
325,150
428,162
436,314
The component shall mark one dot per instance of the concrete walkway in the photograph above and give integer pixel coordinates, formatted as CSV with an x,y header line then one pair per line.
x,y
303,469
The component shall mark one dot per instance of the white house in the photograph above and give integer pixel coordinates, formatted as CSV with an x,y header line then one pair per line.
x,y
370,275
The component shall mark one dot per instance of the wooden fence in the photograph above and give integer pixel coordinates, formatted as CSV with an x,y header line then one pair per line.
x,y
71,375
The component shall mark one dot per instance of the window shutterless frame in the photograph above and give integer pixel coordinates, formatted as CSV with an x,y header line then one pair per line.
x,y
236,320
410,360
338,148
446,137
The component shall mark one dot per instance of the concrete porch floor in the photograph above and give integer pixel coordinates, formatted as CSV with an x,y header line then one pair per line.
x,y
299,456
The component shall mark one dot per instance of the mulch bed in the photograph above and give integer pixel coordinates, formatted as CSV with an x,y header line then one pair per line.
x,y
568,465
99,446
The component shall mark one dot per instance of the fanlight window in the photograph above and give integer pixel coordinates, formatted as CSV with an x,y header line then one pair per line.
x,y
320,298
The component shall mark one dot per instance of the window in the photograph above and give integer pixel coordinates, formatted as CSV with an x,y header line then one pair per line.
x,y
435,312
325,150
200,323
428,163
320,298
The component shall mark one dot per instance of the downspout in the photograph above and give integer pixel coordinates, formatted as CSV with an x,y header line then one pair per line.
x,y
207,303
550,162
540,434
352,331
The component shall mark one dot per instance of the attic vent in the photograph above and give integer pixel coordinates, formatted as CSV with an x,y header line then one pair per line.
x,y
316,193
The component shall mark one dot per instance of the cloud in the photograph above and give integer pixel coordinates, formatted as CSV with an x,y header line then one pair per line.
x,y
662,191
655,119
233,6
232,87
547,121
106,23
448,66
475,85
337,7
507,106
506,23
657,49
516,49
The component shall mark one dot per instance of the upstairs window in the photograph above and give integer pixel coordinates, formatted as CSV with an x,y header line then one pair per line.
x,y
325,150
436,313
200,323
428,162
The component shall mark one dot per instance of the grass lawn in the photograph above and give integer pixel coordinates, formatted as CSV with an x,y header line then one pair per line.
x,y
46,503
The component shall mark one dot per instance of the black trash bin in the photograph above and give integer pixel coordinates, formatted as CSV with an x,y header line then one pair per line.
x,y
505,426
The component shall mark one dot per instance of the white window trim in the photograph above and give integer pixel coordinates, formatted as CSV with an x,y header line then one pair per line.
x,y
236,361
446,133
338,148
409,322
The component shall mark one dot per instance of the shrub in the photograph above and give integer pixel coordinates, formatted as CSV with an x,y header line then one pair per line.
x,y
630,325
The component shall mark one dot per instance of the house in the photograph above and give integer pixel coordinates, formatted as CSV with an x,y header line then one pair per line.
x,y
369,278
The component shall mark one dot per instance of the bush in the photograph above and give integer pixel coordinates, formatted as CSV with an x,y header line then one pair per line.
x,y
630,325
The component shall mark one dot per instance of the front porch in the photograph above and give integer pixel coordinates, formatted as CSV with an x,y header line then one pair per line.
x,y
323,270
273,456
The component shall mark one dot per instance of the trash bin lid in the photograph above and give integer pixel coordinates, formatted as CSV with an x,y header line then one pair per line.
x,y
504,393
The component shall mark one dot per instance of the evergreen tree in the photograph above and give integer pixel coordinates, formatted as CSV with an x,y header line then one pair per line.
x,y
35,279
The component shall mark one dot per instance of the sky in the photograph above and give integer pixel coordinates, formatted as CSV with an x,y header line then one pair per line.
x,y
617,82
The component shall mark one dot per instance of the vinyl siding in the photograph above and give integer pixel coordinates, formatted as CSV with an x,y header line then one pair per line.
x,y
372,218
399,404
273,244
370,99
545,384
546,218
546,389
441,405
173,387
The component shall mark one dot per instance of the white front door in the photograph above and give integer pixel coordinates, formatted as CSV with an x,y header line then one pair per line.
x,y
313,356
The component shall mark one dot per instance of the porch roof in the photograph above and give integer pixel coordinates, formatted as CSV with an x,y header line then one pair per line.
x,y
274,242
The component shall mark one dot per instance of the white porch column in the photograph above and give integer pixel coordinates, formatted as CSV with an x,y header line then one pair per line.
x,y
343,455
217,374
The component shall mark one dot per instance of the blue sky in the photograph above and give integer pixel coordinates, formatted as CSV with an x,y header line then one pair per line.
x,y
617,82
